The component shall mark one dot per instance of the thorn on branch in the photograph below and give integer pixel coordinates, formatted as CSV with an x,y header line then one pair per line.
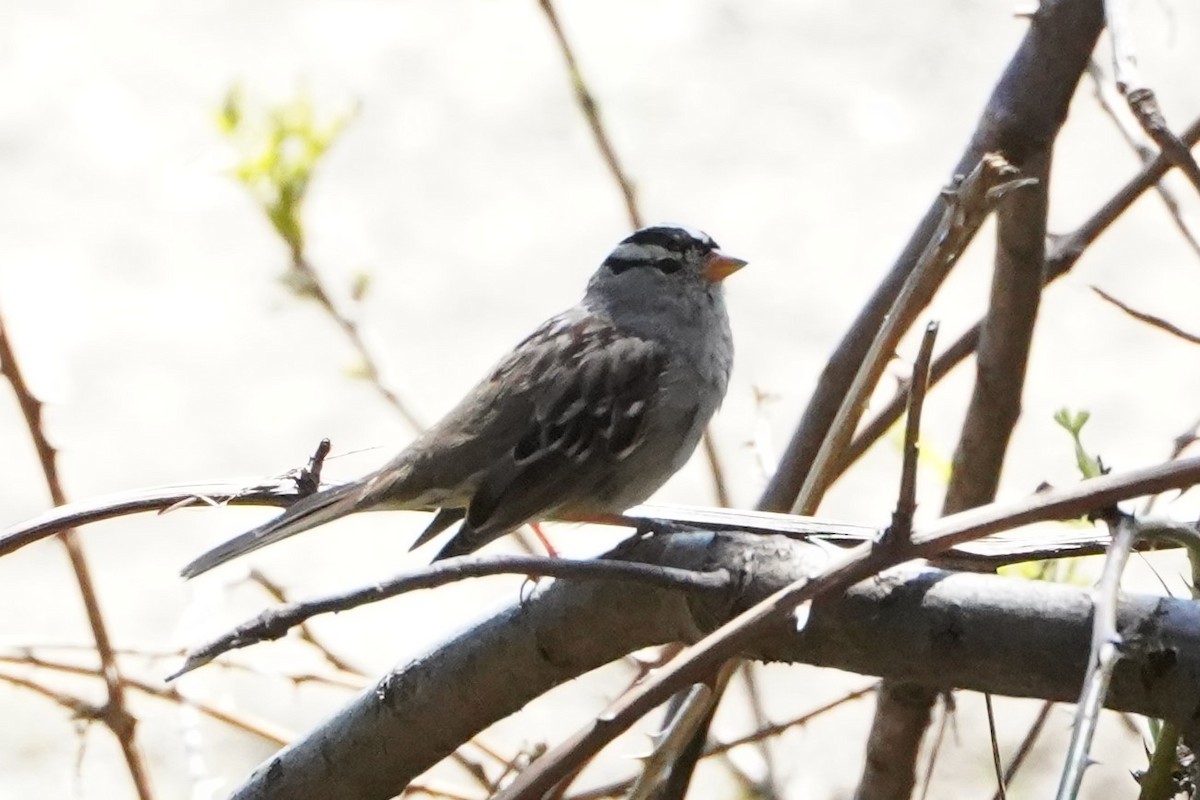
x,y
308,479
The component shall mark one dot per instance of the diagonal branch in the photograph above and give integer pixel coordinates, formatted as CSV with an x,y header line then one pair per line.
x,y
1062,255
1013,637
1026,109
591,112
1141,98
115,714
274,623
747,629
968,205
1107,644
1149,319
1108,97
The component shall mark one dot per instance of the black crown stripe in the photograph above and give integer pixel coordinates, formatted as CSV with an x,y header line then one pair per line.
x,y
673,239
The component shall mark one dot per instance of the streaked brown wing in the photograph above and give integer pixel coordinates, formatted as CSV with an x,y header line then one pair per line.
x,y
588,415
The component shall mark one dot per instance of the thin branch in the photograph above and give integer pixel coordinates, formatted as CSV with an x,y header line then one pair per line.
x,y
282,492
944,720
279,493
591,112
699,711
315,287
718,748
1005,338
1001,360
994,741
783,727
1027,106
79,708
968,205
276,622
1031,737
1149,319
768,786
263,729
116,715
900,531
1108,97
1141,99
26,653
280,596
699,660
674,737
715,470
1106,649
1063,253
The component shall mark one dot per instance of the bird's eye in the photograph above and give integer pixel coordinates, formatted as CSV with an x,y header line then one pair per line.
x,y
667,265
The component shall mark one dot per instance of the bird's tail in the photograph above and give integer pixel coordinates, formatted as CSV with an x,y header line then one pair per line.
x,y
309,512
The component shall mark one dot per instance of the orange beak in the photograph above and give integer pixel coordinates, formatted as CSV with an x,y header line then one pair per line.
x,y
721,266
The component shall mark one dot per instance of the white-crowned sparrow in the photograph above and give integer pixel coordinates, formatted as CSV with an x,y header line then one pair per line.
x,y
588,415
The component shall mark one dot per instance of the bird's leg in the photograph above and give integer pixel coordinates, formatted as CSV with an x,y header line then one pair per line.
x,y
537,531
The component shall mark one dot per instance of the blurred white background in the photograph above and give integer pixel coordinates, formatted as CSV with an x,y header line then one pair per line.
x,y
139,283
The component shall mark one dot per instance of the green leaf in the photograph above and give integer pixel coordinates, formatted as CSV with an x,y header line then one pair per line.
x,y
1089,466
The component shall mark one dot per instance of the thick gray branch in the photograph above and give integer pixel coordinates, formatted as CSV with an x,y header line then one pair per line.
x,y
918,624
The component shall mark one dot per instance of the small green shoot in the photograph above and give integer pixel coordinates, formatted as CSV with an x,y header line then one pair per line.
x,y
1089,466
280,148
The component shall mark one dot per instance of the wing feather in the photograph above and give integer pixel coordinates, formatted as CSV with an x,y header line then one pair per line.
x,y
589,414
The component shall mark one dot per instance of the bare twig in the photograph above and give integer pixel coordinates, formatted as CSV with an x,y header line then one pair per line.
x,y
1140,97
715,470
280,596
308,480
717,748
591,111
276,622
1031,737
276,492
115,714
1064,252
969,204
987,553
944,720
370,364
79,708
282,492
1106,649
731,638
783,727
1149,319
263,729
1002,354
1005,338
997,764
1185,439
906,504
768,786
1028,105
674,737
1109,98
